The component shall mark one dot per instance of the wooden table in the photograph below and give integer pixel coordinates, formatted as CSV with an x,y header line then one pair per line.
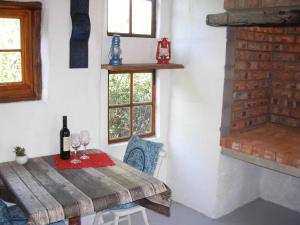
x,y
48,195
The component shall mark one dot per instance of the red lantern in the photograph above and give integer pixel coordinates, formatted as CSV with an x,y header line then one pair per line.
x,y
163,52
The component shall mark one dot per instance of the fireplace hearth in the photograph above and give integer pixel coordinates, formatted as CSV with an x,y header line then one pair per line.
x,y
261,102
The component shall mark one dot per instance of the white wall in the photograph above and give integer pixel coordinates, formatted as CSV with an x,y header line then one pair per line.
x,y
79,93
140,50
73,92
197,174
200,177
196,104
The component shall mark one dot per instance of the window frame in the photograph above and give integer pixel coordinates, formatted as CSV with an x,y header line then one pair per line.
x,y
131,105
30,87
130,34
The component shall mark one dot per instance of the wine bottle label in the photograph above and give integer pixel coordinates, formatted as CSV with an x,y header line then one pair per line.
x,y
66,144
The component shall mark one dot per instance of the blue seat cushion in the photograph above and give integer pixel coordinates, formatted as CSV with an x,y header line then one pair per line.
x,y
124,206
142,154
16,213
19,222
13,215
4,214
58,223
18,217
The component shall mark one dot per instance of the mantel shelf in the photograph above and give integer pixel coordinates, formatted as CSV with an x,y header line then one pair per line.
x,y
140,67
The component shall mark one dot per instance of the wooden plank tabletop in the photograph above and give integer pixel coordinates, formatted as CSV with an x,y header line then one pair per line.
x,y
48,194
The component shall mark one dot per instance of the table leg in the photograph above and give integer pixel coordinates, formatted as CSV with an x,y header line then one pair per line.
x,y
75,221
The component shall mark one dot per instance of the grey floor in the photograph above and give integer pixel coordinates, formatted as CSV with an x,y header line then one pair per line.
x,y
258,212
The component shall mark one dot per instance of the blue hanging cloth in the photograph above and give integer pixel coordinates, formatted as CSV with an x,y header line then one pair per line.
x,y
81,27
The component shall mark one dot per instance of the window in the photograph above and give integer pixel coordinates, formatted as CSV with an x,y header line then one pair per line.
x,y
20,68
132,18
131,105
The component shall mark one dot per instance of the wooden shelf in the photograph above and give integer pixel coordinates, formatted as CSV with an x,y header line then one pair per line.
x,y
140,67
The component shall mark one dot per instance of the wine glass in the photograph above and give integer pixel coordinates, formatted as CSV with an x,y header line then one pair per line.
x,y
75,142
84,140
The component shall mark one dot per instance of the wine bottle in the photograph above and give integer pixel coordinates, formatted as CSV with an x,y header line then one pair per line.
x,y
64,140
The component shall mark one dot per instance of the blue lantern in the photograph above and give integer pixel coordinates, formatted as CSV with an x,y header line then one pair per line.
x,y
115,51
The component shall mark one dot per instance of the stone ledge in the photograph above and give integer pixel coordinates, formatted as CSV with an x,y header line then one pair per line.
x,y
276,143
292,171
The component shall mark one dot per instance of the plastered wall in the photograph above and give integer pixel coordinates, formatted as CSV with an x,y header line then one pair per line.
x,y
189,105
196,105
81,94
200,177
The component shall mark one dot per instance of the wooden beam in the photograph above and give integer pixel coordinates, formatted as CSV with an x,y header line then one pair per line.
x,y
262,17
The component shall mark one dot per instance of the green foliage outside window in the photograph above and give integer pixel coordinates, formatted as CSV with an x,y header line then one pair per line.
x,y
130,104
10,67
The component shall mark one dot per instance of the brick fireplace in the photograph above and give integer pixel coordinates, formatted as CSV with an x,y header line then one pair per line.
x,y
266,77
261,106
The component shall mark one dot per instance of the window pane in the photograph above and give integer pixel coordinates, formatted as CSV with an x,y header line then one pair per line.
x,y
119,123
141,16
142,87
142,119
10,33
118,16
119,89
10,67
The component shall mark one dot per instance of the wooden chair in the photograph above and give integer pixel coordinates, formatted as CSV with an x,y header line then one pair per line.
x,y
121,215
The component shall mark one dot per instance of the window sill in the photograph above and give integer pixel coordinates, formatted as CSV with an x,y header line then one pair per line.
x,y
132,35
125,143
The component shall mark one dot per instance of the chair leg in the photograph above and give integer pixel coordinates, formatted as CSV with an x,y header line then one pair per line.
x,y
145,217
116,220
98,218
129,219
